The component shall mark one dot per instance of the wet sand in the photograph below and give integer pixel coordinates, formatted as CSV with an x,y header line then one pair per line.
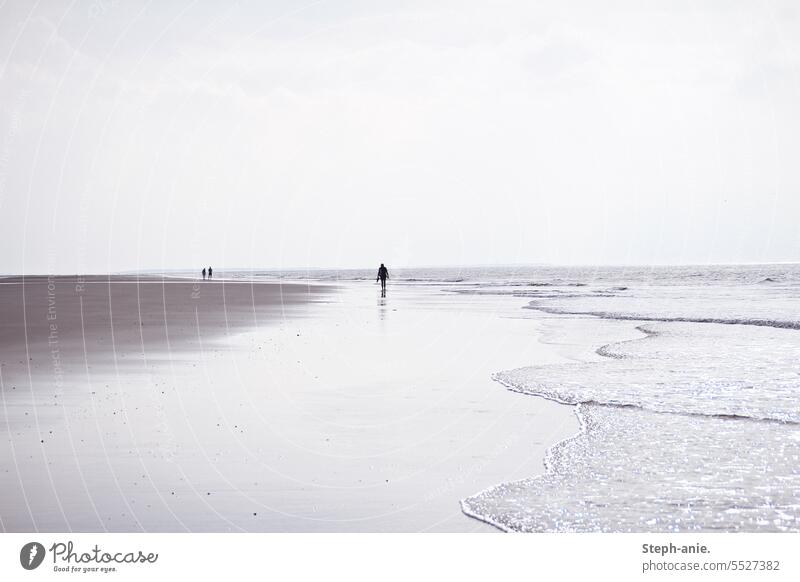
x,y
165,405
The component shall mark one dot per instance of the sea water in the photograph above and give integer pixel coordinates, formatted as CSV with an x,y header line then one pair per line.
x,y
634,470
694,426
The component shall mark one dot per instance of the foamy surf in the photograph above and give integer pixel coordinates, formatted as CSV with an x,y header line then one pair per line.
x,y
633,470
694,426
686,368
732,305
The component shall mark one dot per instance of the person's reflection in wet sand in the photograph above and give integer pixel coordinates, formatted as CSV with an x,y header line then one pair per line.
x,y
382,307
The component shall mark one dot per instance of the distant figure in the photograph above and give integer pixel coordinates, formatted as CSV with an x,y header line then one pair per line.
x,y
383,274
210,272
204,273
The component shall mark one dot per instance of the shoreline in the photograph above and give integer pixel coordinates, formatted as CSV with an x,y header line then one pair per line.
x,y
604,467
548,470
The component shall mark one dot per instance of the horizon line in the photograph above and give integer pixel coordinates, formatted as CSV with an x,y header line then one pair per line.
x,y
440,266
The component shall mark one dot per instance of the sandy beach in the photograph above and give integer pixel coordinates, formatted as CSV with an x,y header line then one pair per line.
x,y
150,404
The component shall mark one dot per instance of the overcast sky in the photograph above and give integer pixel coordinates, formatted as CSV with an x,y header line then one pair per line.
x,y
150,135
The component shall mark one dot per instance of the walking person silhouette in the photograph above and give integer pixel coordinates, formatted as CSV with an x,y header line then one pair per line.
x,y
204,273
210,272
383,274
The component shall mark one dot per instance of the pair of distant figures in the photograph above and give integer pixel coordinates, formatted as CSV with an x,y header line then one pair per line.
x,y
210,273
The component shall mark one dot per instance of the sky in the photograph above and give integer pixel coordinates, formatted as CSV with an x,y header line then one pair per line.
x,y
282,134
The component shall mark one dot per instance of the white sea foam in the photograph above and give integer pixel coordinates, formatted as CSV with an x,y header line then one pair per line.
x,y
695,426
742,304
632,470
688,368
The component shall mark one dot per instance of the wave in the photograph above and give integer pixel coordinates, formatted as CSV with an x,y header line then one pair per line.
x,y
512,283
683,368
554,284
759,322
690,427
632,470
526,293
